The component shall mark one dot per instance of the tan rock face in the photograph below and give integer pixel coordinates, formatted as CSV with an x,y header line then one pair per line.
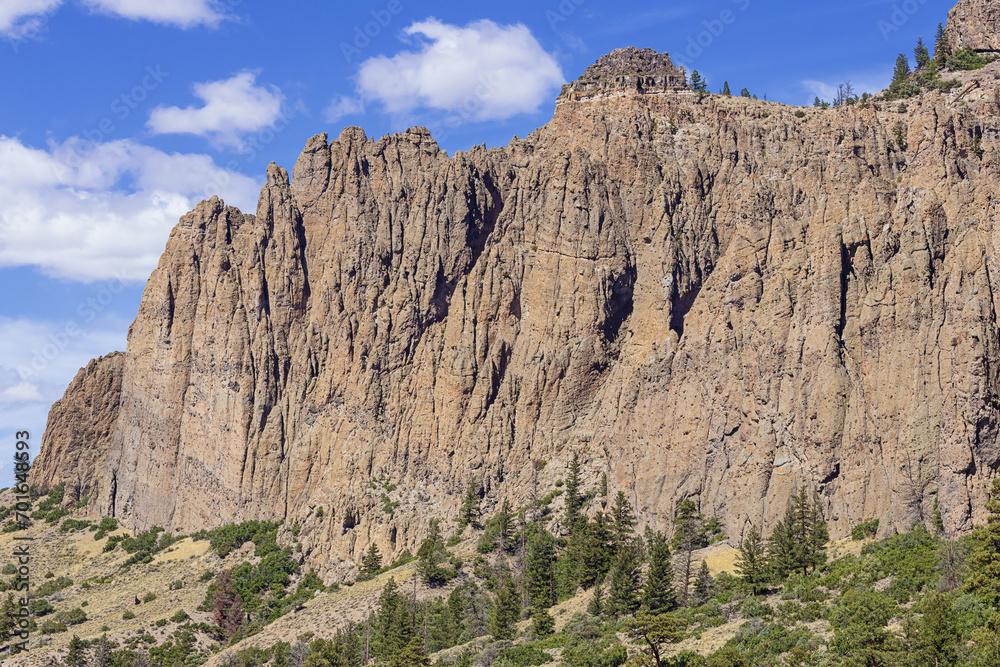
x,y
724,311
75,445
975,24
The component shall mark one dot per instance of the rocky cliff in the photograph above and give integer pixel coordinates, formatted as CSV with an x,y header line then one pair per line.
x,y
975,24
712,299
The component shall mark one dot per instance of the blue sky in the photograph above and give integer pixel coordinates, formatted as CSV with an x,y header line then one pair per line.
x,y
117,116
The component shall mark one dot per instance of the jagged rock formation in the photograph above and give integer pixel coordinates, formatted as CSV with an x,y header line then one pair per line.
x,y
628,70
712,299
975,24
76,443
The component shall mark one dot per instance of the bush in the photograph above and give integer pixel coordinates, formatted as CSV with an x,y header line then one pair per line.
x,y
227,539
207,575
108,524
176,585
52,627
73,617
128,615
149,597
40,607
180,617
161,622
9,568
52,585
74,524
800,114
754,608
865,529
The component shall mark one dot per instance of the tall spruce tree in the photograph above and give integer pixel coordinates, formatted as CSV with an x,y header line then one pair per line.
x,y
539,576
574,499
725,89
506,534
371,563
598,551
624,591
698,84
596,605
689,534
8,617
411,655
658,592
703,584
77,656
751,565
506,610
942,49
469,513
623,520
392,628
921,54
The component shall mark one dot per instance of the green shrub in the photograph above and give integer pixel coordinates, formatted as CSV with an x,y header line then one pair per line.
x,y
149,597
227,539
40,607
207,575
9,568
180,617
800,114
128,615
74,524
73,617
108,524
864,530
52,627
52,585
161,622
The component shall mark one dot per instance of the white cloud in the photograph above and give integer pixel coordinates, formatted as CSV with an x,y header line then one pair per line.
x,y
86,212
232,108
482,71
38,359
180,13
20,18
343,106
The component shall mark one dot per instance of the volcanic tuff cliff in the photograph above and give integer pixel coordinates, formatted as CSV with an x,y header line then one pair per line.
x,y
706,298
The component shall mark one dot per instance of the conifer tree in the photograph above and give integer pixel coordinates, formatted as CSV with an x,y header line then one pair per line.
x,y
689,534
921,54
745,93
469,513
506,611
542,622
942,49
77,656
623,595
725,89
227,607
393,628
371,563
431,556
596,557
8,617
602,488
505,528
658,592
411,655
751,566
703,583
574,500
538,578
934,639
623,520
596,605
984,561
698,84
656,630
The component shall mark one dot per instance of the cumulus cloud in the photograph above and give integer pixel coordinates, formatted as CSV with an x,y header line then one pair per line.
x,y
232,108
483,71
179,13
19,18
88,211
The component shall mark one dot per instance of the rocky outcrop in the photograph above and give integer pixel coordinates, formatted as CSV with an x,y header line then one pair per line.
x,y
975,24
624,71
709,299
76,442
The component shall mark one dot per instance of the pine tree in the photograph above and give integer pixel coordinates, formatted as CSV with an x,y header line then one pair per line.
x,y
984,561
411,655
539,575
751,565
77,656
102,652
542,623
505,528
469,513
371,563
431,555
8,617
623,520
623,595
698,84
935,637
725,89
392,628
817,102
597,553
602,488
596,605
574,501
942,49
506,611
658,593
703,583
656,631
921,54
689,534
745,93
